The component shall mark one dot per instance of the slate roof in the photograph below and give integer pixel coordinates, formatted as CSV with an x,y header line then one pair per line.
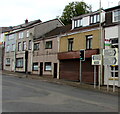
x,y
58,31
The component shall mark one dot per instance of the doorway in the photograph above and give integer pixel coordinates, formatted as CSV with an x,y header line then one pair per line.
x,y
55,70
41,69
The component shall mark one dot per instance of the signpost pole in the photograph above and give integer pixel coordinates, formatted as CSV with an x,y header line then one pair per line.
x,y
99,76
108,78
114,79
94,76
80,72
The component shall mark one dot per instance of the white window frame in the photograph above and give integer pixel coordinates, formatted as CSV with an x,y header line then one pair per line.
x,y
27,34
20,35
19,46
118,19
24,45
89,39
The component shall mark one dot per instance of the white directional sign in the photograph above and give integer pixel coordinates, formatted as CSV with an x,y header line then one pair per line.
x,y
96,59
110,56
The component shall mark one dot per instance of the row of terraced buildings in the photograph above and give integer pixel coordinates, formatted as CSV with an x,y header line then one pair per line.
x,y
52,49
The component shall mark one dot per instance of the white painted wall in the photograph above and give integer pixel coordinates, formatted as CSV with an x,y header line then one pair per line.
x,y
111,32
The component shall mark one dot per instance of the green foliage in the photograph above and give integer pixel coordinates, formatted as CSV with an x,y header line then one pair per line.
x,y
74,9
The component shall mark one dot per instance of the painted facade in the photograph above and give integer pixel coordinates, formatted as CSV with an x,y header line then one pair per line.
x,y
111,41
84,35
45,57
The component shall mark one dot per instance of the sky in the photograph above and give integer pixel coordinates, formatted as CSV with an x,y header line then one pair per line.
x,y
15,12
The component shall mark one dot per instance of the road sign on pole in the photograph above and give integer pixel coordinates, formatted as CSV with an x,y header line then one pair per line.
x,y
96,59
110,56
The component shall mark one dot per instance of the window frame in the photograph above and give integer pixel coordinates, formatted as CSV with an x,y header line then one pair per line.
x,y
30,44
33,67
19,46
70,44
21,62
47,46
37,46
24,45
89,43
48,64
6,62
112,71
118,16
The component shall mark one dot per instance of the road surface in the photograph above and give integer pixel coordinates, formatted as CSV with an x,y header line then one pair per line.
x,y
29,95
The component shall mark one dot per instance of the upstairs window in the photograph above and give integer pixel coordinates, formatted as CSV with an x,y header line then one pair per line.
x,y
89,42
13,47
36,46
30,45
19,46
48,45
70,44
78,23
20,35
27,35
7,48
24,46
94,19
116,16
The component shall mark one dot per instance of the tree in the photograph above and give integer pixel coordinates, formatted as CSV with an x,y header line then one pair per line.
x,y
74,9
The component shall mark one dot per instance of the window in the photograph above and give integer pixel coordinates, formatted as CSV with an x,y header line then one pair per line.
x,y
70,44
13,47
7,48
114,43
20,35
36,46
114,71
27,34
19,62
24,46
48,45
19,46
116,16
7,61
89,42
12,36
30,45
35,66
48,66
94,18
78,23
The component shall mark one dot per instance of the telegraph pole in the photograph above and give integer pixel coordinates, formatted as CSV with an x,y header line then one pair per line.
x,y
101,46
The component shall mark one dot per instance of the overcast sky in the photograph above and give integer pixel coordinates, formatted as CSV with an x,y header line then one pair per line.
x,y
14,12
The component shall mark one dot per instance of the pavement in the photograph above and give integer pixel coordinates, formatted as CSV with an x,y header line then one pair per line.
x,y
64,82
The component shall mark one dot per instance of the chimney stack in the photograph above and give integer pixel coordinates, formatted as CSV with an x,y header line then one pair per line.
x,y
26,21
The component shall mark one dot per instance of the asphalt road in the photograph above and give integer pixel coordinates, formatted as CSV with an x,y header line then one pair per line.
x,y
29,95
